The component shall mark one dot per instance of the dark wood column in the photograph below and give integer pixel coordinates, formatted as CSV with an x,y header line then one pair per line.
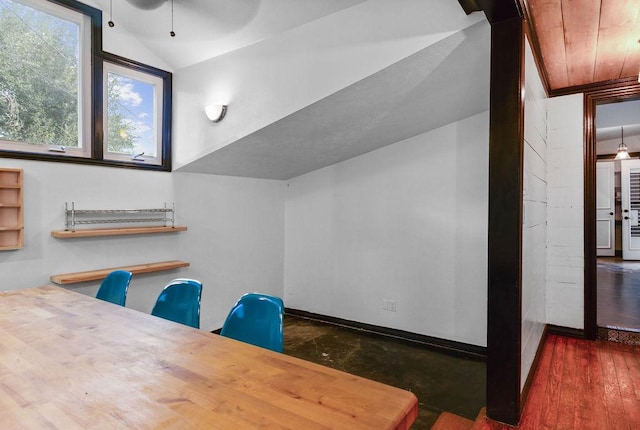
x,y
506,147
506,142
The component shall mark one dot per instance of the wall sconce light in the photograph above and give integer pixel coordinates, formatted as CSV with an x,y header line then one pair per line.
x,y
215,113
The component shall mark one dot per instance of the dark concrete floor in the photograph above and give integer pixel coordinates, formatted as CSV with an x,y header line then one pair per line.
x,y
440,381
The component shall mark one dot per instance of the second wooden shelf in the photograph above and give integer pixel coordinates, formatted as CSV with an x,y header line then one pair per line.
x,y
94,275
68,234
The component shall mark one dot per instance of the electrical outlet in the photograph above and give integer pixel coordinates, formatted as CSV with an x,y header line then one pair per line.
x,y
389,305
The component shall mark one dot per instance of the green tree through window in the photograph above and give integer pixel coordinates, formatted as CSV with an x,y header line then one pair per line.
x,y
62,98
39,77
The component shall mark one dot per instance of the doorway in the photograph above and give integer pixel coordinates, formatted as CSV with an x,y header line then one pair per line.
x,y
612,276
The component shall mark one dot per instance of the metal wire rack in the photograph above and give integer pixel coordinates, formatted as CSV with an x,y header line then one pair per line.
x,y
73,217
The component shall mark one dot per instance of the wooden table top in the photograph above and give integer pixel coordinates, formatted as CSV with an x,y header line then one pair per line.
x,y
69,361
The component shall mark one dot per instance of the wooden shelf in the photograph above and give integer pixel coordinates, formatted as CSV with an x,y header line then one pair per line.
x,y
68,234
9,248
11,217
94,275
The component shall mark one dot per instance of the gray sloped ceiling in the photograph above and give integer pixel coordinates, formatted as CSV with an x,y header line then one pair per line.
x,y
443,83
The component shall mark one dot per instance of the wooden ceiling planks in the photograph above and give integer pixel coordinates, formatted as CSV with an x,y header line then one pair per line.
x,y
549,30
581,23
616,40
585,42
632,38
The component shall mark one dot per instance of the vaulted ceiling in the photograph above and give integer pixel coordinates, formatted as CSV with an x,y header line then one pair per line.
x,y
579,42
385,79
207,28
584,42
440,84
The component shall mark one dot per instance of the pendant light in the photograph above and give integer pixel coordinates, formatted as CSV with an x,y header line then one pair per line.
x,y
623,153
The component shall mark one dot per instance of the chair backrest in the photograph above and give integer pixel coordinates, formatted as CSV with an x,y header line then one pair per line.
x,y
114,287
256,319
179,301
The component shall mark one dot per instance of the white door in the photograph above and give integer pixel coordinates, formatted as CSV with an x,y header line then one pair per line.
x,y
605,208
630,207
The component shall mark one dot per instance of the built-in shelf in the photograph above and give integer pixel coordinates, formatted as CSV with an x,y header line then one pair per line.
x,y
11,217
156,220
94,275
121,231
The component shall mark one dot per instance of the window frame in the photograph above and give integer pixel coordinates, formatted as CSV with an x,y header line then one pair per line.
x,y
163,156
95,105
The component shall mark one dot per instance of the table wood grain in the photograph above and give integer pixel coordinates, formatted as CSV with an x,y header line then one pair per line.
x,y
69,361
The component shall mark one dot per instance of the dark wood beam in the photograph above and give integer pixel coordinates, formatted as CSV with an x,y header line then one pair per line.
x,y
500,10
506,143
494,10
470,6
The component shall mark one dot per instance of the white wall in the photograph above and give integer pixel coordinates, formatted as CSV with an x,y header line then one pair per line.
x,y
534,228
407,222
234,240
565,233
47,186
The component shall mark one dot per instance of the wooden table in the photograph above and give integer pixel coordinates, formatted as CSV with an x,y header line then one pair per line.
x,y
69,361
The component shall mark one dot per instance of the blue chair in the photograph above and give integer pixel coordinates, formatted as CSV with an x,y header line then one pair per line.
x,y
276,299
114,287
256,319
179,301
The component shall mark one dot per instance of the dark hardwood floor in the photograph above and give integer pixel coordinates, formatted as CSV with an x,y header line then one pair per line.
x,y
618,293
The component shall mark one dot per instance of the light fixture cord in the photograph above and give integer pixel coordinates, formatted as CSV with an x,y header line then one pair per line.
x,y
172,33
111,23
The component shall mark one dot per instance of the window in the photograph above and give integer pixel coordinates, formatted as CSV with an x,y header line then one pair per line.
x,y
56,106
45,57
133,112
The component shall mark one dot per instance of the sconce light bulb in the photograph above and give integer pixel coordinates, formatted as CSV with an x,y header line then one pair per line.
x,y
215,113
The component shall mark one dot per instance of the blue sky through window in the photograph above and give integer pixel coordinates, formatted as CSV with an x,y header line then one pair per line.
x,y
135,102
